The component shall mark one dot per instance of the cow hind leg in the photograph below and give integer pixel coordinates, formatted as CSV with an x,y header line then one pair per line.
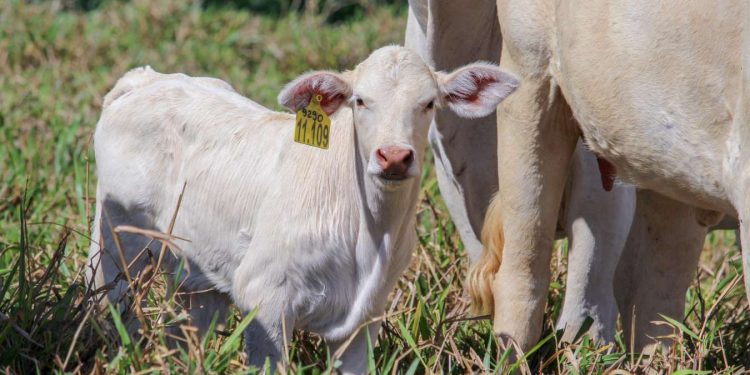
x,y
597,223
656,268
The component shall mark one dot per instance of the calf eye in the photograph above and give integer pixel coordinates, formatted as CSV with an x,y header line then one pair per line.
x,y
360,102
430,105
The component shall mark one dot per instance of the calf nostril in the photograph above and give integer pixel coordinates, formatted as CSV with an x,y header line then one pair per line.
x,y
402,157
381,156
409,157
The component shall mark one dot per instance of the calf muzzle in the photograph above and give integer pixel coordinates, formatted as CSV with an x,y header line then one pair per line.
x,y
394,162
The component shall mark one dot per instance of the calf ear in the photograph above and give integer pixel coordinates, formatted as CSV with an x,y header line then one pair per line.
x,y
476,89
331,86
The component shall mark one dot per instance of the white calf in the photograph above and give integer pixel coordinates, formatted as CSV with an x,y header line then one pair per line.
x,y
312,238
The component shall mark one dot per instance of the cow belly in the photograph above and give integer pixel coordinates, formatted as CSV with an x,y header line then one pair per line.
x,y
683,163
653,95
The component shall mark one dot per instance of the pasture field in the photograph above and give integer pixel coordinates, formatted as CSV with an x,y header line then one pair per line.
x,y
56,64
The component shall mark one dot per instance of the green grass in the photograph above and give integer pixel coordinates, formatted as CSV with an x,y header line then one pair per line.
x,y
55,68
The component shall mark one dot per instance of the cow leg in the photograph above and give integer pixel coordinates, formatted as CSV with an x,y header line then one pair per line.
x,y
450,189
415,37
536,138
657,266
597,223
464,150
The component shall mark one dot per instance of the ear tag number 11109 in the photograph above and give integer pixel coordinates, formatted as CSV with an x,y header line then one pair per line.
x,y
313,126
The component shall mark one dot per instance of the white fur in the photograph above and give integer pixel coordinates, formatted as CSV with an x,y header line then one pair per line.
x,y
314,239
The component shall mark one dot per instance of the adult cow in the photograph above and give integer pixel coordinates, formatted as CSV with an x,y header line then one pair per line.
x,y
449,34
658,91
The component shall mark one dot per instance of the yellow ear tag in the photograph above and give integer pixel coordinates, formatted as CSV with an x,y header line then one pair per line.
x,y
313,125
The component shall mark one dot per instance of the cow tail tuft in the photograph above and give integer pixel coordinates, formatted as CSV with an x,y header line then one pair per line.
x,y
482,273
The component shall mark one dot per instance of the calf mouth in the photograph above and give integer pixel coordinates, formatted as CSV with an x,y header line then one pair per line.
x,y
392,178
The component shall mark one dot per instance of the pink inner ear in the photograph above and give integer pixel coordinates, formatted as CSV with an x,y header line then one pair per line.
x,y
332,95
472,96
331,103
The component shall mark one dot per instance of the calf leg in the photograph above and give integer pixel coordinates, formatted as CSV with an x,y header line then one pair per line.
x,y
745,248
203,306
271,328
117,260
354,355
741,132
597,223
657,266
266,336
111,251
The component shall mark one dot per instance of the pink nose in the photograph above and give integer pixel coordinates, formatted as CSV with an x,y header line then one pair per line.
x,y
395,161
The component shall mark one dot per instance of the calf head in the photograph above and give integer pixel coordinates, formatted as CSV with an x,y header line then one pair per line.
x,y
393,95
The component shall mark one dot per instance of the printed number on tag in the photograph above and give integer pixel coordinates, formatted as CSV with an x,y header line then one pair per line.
x,y
313,126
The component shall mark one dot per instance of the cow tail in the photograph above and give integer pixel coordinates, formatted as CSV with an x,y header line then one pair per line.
x,y
482,272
